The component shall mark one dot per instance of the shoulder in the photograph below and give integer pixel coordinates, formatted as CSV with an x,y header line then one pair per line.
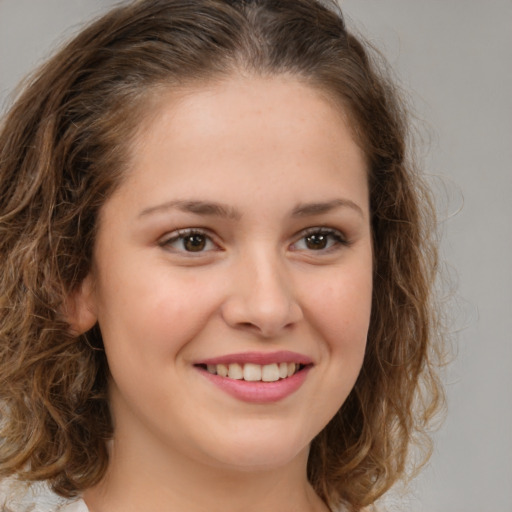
x,y
74,506
16,496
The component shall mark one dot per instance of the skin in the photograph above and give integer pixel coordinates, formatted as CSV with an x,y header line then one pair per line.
x,y
263,148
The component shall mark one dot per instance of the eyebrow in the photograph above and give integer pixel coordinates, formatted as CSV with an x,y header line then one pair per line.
x,y
310,209
215,209
197,207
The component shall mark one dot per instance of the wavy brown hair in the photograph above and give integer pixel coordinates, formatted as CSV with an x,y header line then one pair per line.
x,y
63,148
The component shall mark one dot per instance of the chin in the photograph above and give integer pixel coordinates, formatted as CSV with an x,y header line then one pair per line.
x,y
259,452
261,461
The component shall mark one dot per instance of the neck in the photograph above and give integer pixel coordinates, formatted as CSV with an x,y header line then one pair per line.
x,y
146,479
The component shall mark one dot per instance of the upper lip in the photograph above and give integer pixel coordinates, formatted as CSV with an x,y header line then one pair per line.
x,y
261,358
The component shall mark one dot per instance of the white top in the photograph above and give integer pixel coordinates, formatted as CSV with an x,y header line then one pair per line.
x,y
17,496
75,506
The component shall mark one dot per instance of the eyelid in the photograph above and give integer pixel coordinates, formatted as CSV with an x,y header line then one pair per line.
x,y
174,236
323,230
338,235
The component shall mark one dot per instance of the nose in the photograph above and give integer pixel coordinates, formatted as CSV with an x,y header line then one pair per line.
x,y
261,298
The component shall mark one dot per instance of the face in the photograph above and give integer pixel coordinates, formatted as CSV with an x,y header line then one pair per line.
x,y
232,274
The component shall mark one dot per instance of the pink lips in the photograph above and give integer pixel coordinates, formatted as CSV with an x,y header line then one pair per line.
x,y
283,356
258,392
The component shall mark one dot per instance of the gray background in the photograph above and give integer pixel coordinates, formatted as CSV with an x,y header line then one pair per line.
x,y
454,57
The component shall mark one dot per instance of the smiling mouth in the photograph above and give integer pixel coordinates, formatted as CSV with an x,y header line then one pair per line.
x,y
251,372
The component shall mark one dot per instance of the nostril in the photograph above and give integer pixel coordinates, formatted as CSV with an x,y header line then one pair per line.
x,y
259,313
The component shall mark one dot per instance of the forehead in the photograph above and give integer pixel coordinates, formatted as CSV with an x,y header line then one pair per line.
x,y
243,132
201,114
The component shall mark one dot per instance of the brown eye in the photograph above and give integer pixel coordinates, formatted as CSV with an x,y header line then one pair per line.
x,y
317,241
194,243
320,240
188,241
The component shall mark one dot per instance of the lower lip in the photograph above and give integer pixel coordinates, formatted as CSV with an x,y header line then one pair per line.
x,y
259,392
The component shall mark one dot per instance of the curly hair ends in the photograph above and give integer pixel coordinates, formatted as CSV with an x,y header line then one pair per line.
x,y
64,147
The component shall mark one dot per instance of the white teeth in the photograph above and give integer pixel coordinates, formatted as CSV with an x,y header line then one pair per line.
x,y
269,373
222,370
254,372
235,371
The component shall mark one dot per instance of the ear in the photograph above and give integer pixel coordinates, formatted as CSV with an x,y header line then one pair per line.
x,y
81,307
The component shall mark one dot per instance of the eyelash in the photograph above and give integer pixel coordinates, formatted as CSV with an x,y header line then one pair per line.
x,y
183,234
336,237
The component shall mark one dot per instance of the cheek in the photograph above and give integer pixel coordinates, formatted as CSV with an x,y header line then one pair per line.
x,y
154,315
340,309
339,315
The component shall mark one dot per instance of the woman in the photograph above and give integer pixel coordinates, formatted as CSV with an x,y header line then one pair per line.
x,y
218,263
